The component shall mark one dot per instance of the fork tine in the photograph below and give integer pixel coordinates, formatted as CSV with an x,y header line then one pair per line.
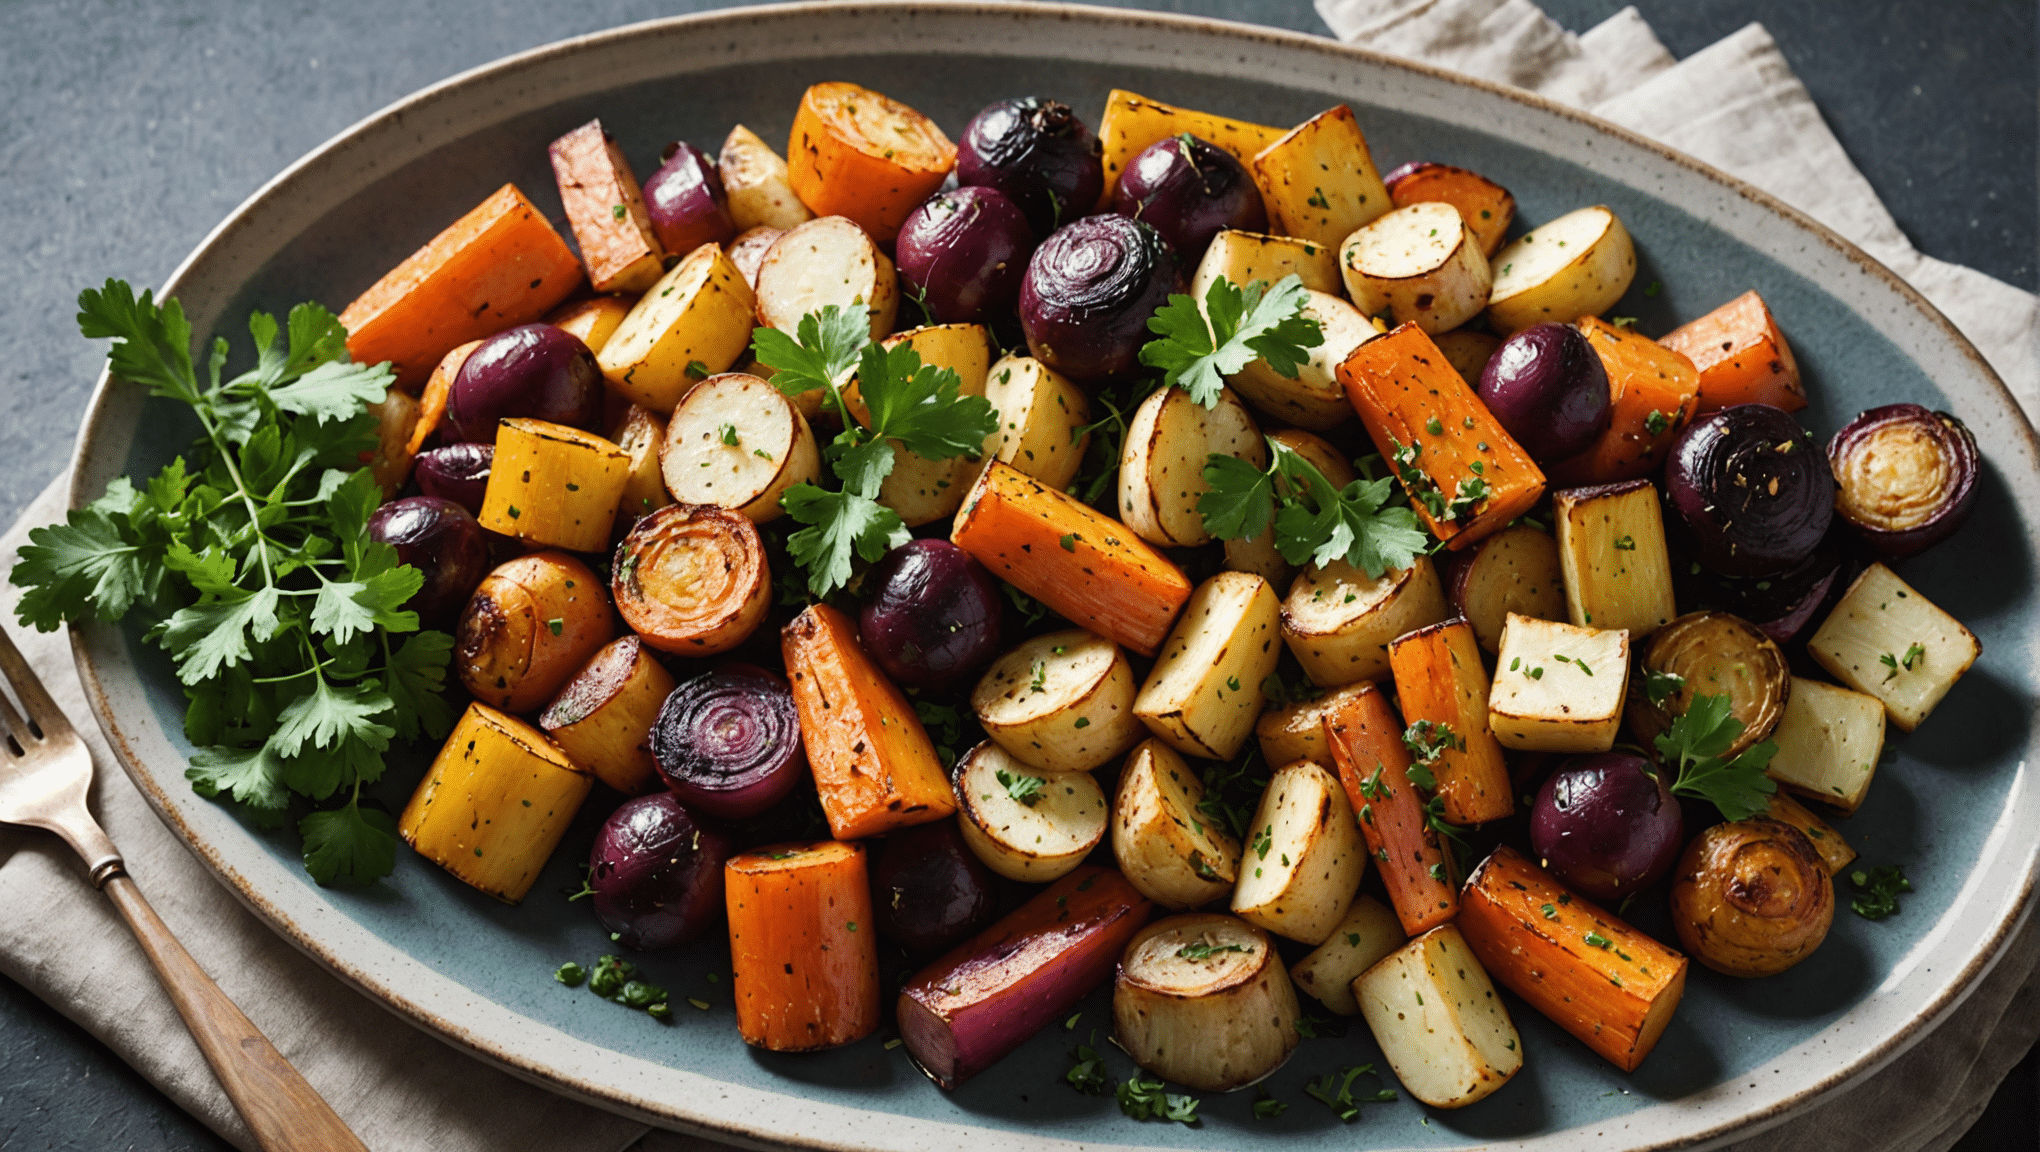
x,y
17,729
34,697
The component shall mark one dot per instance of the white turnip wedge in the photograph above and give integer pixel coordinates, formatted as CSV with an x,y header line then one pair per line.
x,y
1886,640
1244,257
1439,1021
1313,398
1176,855
1421,265
754,180
1304,856
1039,410
1205,692
1339,622
1828,741
1577,265
1558,688
1202,999
695,322
1369,932
829,260
1061,702
1024,825
1515,570
1161,463
737,442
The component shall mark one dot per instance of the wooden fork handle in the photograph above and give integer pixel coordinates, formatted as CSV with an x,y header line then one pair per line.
x,y
283,1111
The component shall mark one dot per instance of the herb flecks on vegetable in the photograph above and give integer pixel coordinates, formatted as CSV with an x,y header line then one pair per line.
x,y
1199,347
1659,687
1427,740
1205,950
251,558
1880,887
1313,521
1696,741
907,401
1020,786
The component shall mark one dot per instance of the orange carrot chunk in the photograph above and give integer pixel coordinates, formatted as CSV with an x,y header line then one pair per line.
x,y
499,266
1593,975
1367,748
1071,557
1468,475
803,947
1439,677
1652,390
873,763
856,153
1741,356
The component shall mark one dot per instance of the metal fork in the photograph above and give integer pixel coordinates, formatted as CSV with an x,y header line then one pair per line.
x,y
45,770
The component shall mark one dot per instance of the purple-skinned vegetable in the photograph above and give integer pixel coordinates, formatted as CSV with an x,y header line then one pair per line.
x,y
1751,490
457,472
929,889
440,539
728,741
1548,388
933,614
1089,291
532,370
1607,824
1905,477
1039,154
1784,607
962,254
656,873
686,201
1189,190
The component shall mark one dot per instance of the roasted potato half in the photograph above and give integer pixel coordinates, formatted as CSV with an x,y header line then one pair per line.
x,y
1023,824
1062,702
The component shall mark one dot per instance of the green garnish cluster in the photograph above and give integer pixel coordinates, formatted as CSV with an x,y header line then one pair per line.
x,y
1198,348
1314,522
1696,743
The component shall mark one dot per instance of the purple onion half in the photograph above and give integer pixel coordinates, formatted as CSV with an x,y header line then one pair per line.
x,y
728,741
457,472
532,370
1089,292
440,539
1752,491
963,252
1190,190
686,201
1905,477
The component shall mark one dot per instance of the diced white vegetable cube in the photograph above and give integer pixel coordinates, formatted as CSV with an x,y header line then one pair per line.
x,y
1888,641
1558,688
1828,743
1439,1020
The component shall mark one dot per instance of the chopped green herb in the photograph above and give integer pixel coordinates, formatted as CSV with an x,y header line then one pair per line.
x,y
1024,788
1197,348
1880,887
1203,951
1144,1099
1697,741
570,974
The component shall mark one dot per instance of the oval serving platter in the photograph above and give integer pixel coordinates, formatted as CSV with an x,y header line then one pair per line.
x,y
1952,801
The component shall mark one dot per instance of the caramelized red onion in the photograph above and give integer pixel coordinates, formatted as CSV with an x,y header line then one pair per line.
x,y
1039,154
728,741
1751,490
1088,294
1905,477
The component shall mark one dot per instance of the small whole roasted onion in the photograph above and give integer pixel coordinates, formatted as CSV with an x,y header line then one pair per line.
x,y
1905,476
1752,491
1089,291
1752,897
728,741
1039,154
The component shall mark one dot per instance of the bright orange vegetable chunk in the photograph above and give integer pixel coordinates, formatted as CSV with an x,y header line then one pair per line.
x,y
1652,392
803,946
1741,356
1367,747
856,153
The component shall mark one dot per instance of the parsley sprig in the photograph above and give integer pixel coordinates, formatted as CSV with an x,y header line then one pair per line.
x,y
1342,1102
1313,520
1880,887
1696,742
1199,347
251,558
915,404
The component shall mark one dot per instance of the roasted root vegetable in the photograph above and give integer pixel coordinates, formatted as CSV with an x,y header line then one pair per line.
x,y
1244,257
1304,859
1313,398
689,326
1886,640
1060,702
1421,265
603,718
1040,413
1131,123
1296,731
1752,897
748,251
639,436
1366,741
1515,570
1440,1025
529,627
1712,654
1161,462
1607,825
737,442
1577,265
552,486
873,763
1369,933
1339,622
1750,492
1026,827
803,946
1651,396
1591,974
728,741
1468,350
606,209
1202,999
655,874
1834,850
1082,564
1440,680
1205,692
1320,180
1485,205
828,260
432,400
921,490
1905,477
856,153
1558,688
1468,476
692,579
592,321
929,890
754,179
1167,848
494,804
1828,741
499,266
1611,546
396,421
964,1012
1741,355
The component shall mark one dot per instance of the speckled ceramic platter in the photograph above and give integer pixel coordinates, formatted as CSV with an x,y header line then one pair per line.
x,y
1953,802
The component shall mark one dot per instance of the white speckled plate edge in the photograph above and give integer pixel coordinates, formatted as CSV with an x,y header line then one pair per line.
x,y
1938,974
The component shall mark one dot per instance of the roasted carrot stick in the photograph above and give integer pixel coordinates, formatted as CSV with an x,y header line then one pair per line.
x,y
1069,556
873,762
803,947
499,266
856,153
1741,356
1652,392
1594,976
1367,748
432,401
1468,475
1439,677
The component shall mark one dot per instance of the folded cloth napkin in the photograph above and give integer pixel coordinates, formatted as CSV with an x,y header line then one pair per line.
x,y
403,1090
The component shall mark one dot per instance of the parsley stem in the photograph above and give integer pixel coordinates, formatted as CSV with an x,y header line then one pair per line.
x,y
212,433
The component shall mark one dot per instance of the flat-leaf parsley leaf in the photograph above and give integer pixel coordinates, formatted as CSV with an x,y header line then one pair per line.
x,y
1199,347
